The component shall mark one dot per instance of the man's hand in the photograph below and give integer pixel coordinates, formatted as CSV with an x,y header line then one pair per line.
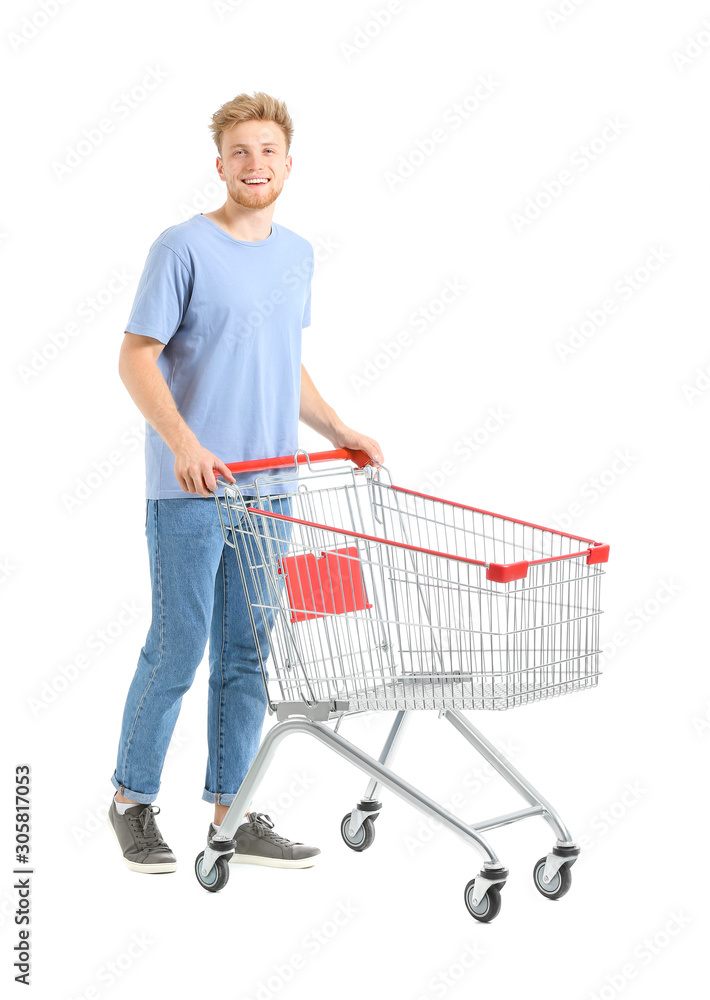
x,y
346,437
194,467
316,413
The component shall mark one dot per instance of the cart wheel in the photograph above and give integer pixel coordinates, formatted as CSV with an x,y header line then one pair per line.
x,y
557,886
364,836
489,906
217,878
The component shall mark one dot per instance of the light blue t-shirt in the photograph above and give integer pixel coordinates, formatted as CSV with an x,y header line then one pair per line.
x,y
230,313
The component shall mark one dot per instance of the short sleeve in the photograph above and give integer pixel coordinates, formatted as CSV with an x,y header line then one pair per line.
x,y
306,321
162,296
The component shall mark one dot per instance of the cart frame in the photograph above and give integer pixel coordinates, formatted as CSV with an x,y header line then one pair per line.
x,y
313,715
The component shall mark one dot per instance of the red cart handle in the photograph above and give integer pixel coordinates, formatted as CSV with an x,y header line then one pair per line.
x,y
360,459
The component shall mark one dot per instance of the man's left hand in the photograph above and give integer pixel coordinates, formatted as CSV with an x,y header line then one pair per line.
x,y
348,438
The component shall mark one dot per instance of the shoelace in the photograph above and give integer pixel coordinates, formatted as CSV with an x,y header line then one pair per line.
x,y
264,827
145,829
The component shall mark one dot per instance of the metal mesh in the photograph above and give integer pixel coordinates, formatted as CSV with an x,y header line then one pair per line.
x,y
378,623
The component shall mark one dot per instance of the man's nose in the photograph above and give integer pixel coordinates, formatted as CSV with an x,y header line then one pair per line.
x,y
254,163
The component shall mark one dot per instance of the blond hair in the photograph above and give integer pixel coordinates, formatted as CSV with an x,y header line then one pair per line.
x,y
257,107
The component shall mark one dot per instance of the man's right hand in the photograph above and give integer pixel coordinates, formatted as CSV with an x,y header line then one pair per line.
x,y
194,470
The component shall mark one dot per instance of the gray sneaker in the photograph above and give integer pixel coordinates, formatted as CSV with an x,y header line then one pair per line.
x,y
140,840
259,844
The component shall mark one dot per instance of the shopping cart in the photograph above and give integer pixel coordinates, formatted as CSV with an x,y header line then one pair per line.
x,y
379,598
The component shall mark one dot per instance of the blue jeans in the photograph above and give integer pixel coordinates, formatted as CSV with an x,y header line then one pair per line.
x,y
198,594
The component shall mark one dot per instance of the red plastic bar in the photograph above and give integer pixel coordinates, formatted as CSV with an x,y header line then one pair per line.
x,y
504,573
496,572
358,534
598,554
359,458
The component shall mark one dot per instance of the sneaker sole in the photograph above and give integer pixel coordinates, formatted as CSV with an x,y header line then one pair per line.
x,y
254,859
156,869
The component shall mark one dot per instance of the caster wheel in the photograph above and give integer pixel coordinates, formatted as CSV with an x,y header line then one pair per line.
x,y
489,906
217,878
364,836
557,886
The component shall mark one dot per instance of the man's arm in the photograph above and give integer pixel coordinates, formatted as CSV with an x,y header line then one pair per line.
x,y
316,413
140,374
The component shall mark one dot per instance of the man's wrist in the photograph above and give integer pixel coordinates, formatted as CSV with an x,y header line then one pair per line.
x,y
183,439
336,431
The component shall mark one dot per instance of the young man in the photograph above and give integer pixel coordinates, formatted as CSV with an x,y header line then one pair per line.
x,y
212,358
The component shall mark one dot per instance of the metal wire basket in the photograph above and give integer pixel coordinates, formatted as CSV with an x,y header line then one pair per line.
x,y
376,597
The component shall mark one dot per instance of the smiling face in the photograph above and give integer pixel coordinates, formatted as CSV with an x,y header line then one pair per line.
x,y
254,164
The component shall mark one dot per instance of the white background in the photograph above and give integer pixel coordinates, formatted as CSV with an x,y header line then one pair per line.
x,y
365,96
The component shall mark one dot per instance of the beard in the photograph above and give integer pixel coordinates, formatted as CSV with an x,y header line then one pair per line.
x,y
256,195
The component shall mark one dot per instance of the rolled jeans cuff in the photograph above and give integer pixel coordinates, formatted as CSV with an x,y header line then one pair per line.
x,y
130,793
